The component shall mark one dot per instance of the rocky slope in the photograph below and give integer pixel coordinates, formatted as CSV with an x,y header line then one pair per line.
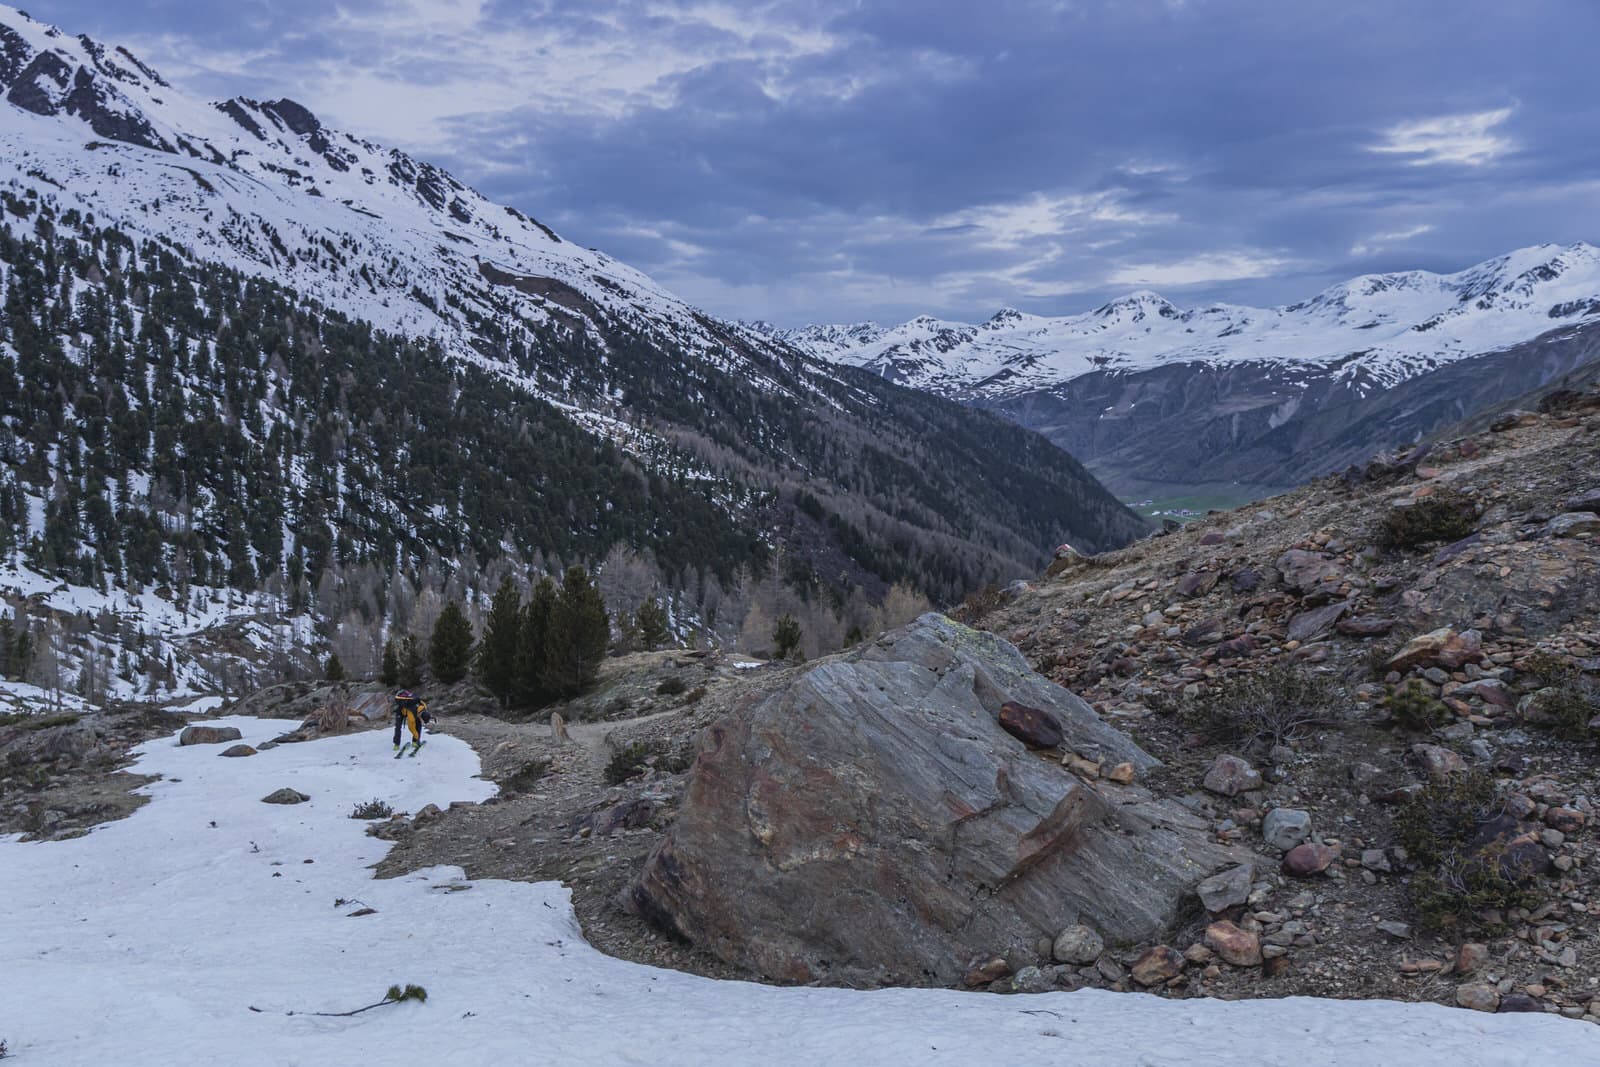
x,y
1151,395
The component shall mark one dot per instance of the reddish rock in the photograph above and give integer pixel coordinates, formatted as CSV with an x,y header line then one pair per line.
x,y
1443,647
1229,776
1157,965
1239,947
1471,957
1276,967
1478,997
983,971
1567,820
1032,726
1303,861
1237,648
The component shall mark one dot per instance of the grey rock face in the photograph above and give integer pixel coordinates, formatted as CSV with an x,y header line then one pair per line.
x,y
871,822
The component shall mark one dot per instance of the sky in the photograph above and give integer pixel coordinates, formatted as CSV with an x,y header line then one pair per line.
x,y
807,161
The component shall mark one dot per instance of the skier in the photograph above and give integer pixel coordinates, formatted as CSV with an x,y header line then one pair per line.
x,y
410,711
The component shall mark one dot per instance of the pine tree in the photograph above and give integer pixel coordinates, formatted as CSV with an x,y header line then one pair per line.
x,y
410,673
497,650
531,640
786,637
333,670
580,630
450,647
651,622
389,671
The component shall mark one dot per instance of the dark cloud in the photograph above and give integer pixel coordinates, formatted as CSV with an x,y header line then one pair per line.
x,y
803,160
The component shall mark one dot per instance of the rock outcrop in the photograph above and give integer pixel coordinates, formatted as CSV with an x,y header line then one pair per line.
x,y
871,822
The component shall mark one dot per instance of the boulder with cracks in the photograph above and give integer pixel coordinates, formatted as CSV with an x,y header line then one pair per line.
x,y
870,822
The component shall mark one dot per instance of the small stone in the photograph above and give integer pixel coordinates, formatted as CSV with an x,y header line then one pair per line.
x,y
1239,947
1438,762
1198,954
1284,828
1520,1002
1375,859
1471,957
238,750
1077,944
1223,891
208,735
1157,965
1567,820
1229,776
1305,860
285,796
1122,773
1478,997
426,814
984,971
1574,523
1397,930
1276,967
1032,726
1033,980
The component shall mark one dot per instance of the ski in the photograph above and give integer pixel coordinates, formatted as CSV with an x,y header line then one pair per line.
x,y
415,748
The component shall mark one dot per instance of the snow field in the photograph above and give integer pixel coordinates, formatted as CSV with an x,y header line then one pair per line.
x,y
149,941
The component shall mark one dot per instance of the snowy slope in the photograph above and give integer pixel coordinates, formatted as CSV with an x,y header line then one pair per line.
x,y
187,933
1375,331
266,188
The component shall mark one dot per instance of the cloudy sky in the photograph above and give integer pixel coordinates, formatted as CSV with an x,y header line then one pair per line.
x,y
836,160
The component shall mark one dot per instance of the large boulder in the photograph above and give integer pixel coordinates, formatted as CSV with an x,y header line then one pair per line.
x,y
208,735
870,822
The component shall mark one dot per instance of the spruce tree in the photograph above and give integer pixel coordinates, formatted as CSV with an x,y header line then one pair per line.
x,y
450,647
786,637
531,640
389,670
410,662
580,630
333,670
497,650
651,622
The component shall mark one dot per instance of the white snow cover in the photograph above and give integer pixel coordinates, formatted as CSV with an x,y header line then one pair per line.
x,y
150,940
1377,330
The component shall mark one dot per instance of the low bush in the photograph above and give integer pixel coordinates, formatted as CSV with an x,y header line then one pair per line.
x,y
1271,707
1414,709
1443,829
1566,701
1448,515
372,809
979,604
639,757
671,687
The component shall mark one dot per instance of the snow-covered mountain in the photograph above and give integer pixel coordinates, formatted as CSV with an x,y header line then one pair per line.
x,y
1350,343
267,188
1379,329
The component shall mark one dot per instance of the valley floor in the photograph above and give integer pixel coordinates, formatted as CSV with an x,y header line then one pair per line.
x,y
207,925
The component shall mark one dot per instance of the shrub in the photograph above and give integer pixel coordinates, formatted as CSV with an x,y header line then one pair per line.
x,y
1457,878
786,638
1566,701
671,687
640,756
1447,515
372,809
630,762
1414,709
1270,706
697,694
